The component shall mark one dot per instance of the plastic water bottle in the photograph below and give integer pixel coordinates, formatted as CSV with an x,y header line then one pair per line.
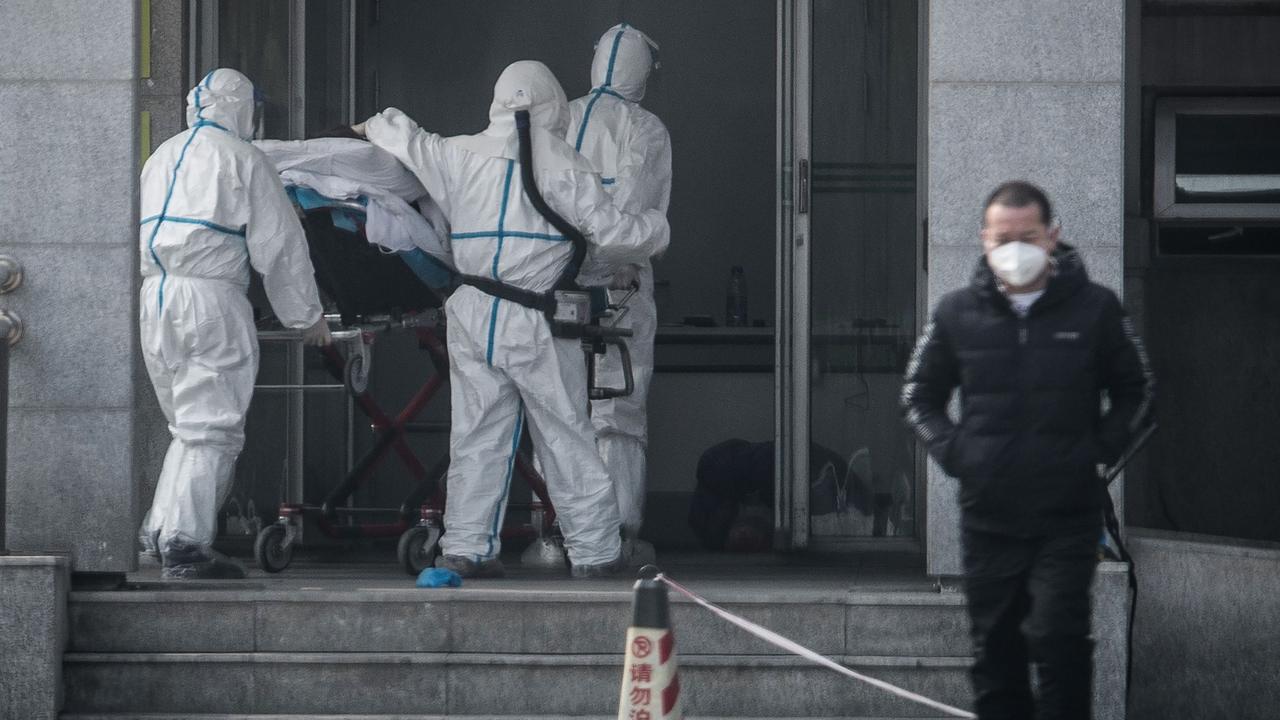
x,y
736,299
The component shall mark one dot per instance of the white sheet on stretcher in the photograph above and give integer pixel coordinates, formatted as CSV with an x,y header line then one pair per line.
x,y
342,169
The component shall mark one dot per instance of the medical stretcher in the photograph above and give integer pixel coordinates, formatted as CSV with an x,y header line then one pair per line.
x,y
372,291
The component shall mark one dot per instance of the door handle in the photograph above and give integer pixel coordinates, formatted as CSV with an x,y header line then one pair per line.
x,y
802,195
10,274
10,333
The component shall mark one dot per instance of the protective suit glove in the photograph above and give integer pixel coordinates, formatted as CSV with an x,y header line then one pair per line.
x,y
625,278
358,129
318,334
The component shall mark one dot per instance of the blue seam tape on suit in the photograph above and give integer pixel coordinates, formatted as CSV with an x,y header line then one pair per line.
x,y
603,89
164,208
497,255
195,221
506,487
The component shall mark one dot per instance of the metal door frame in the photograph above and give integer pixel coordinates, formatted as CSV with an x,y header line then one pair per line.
x,y
203,35
791,376
793,383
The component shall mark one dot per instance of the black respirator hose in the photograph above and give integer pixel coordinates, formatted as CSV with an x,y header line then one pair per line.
x,y
575,236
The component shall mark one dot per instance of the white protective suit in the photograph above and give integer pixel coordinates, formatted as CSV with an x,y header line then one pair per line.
x,y
631,149
212,205
504,364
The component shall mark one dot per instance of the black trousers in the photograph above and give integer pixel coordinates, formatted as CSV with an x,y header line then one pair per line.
x,y
1029,603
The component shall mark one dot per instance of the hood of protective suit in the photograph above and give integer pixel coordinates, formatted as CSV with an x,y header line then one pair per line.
x,y
527,85
224,97
624,58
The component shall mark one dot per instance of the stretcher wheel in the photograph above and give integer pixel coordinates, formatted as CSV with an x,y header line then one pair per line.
x,y
270,550
418,548
357,377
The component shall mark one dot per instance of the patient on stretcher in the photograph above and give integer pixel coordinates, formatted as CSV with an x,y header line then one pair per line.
x,y
379,243
369,189
369,192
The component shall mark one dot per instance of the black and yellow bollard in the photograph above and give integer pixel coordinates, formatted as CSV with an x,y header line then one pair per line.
x,y
650,678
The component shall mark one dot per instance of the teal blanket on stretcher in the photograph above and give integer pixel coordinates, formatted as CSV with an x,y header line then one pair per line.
x,y
435,274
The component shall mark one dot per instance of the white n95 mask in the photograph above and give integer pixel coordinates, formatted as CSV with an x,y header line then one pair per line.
x,y
1018,263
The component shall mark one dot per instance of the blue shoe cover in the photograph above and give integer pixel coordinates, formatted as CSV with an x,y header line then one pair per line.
x,y
438,578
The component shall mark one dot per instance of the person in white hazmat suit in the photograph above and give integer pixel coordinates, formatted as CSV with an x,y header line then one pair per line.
x,y
504,364
631,149
212,206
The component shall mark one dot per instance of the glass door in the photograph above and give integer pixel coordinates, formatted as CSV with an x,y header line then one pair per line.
x,y
299,55
849,246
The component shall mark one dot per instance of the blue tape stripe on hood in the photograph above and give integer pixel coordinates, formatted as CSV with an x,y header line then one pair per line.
x,y
603,89
613,55
205,84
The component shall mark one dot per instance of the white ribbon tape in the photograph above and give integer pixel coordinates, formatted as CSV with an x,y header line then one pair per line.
x,y
793,647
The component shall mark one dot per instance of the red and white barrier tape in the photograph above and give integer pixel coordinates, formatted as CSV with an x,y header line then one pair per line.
x,y
791,646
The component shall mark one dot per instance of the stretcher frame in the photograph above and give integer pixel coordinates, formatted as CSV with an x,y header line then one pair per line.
x,y
418,521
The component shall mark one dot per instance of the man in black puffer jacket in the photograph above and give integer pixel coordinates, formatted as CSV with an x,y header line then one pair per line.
x,y
1033,346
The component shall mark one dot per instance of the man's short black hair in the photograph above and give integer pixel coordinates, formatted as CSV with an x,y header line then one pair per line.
x,y
1019,194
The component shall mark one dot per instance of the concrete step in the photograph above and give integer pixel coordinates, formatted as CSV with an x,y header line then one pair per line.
x,y
502,685
892,624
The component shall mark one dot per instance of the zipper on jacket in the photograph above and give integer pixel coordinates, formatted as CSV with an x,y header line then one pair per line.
x,y
1024,409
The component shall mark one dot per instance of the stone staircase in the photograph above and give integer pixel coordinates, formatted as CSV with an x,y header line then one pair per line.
x,y
521,651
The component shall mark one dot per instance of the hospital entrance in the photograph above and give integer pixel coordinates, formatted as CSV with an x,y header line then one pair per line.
x,y
788,301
